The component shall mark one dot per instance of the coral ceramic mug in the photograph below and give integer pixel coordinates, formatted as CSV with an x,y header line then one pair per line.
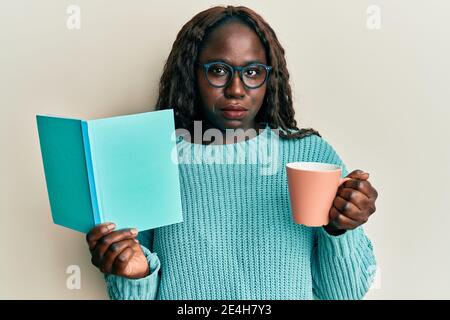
x,y
312,189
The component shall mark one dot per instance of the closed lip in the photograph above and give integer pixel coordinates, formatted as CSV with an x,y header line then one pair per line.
x,y
234,107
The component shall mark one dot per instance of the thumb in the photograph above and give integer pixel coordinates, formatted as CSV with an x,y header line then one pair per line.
x,y
358,174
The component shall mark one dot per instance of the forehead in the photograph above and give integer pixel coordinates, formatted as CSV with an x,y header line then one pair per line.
x,y
235,43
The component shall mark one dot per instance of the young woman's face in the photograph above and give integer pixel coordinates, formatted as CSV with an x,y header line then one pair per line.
x,y
237,45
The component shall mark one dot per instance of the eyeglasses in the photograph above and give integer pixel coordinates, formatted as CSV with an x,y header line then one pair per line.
x,y
219,74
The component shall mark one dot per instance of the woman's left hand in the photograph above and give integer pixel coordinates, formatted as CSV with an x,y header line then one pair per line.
x,y
353,205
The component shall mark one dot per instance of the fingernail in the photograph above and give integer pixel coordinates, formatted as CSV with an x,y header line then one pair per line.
x,y
133,231
111,226
136,240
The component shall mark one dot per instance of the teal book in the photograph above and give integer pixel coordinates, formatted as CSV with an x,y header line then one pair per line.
x,y
119,169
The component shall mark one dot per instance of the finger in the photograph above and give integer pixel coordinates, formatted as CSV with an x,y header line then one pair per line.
x,y
340,221
113,252
121,263
359,199
97,232
363,186
344,206
366,206
104,243
350,210
358,174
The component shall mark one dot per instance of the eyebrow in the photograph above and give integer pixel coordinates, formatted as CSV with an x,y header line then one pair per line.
x,y
246,63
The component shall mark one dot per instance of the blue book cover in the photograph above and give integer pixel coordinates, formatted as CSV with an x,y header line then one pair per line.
x,y
117,169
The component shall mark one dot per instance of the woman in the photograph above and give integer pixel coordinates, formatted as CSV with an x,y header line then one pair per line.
x,y
227,71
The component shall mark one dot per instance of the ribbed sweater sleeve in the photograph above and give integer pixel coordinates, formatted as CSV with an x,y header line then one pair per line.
x,y
343,266
121,288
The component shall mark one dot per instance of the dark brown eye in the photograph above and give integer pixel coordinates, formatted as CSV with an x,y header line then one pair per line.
x,y
218,70
253,72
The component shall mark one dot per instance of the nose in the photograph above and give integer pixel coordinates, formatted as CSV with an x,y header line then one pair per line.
x,y
235,88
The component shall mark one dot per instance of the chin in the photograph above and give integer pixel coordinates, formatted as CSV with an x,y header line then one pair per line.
x,y
233,124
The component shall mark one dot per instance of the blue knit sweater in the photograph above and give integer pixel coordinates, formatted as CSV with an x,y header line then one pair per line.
x,y
238,240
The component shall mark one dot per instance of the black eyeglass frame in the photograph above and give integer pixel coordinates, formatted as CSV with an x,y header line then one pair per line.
x,y
234,69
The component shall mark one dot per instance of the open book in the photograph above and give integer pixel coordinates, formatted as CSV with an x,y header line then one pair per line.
x,y
117,169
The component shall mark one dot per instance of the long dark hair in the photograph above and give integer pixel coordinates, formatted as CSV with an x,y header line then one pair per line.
x,y
178,84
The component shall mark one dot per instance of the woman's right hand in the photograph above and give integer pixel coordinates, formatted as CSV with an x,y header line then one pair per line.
x,y
117,252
